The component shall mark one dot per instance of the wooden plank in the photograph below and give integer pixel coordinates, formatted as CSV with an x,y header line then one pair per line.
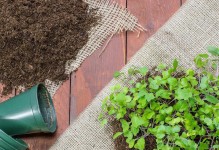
x,y
152,14
183,1
96,72
43,141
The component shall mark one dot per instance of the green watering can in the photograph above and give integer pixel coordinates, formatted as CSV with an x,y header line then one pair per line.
x,y
8,143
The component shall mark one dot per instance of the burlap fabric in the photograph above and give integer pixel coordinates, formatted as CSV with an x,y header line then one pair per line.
x,y
188,32
114,19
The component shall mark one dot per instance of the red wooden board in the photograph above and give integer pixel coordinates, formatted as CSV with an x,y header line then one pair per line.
x,y
95,73
152,14
76,93
183,1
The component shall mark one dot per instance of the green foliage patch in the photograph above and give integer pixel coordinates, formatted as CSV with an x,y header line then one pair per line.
x,y
180,108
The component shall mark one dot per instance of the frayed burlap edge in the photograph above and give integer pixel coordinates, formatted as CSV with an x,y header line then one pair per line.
x,y
114,19
187,33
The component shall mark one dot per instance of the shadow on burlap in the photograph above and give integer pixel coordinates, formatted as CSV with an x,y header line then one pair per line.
x,y
187,33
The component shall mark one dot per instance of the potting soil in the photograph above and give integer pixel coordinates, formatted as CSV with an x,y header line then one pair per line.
x,y
37,37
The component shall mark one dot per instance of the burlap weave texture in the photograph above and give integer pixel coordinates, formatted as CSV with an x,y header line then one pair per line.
x,y
114,19
187,33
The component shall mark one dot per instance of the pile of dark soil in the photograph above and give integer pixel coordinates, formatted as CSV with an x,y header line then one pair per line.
x,y
37,37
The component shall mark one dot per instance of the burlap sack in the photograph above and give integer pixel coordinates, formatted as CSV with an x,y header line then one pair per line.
x,y
188,32
114,19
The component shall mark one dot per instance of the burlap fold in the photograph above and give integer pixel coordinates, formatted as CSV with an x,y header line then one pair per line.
x,y
114,19
187,33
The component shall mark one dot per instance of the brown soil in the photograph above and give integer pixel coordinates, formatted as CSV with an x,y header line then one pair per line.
x,y
120,142
37,37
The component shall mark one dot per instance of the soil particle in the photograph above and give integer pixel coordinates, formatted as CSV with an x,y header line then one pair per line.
x,y
37,37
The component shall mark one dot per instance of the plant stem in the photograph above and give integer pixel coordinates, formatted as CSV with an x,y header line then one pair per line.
x,y
212,142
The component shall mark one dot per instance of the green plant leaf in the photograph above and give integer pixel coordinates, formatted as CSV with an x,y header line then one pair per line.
x,y
216,146
163,94
111,111
175,121
128,98
201,60
143,71
166,74
142,93
190,122
203,146
214,66
140,144
160,118
173,83
148,113
131,143
169,110
161,66
192,80
213,50
116,87
154,84
103,122
117,135
186,144
125,125
137,121
211,99
184,82
125,90
175,128
208,121
202,131
116,74
160,135
120,98
175,64
100,117
203,55
154,105
134,130
149,96
131,71
142,103
128,135
204,82
184,94
181,106
190,72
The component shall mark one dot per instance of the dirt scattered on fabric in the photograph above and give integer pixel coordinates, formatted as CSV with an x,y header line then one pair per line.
x,y
120,142
37,37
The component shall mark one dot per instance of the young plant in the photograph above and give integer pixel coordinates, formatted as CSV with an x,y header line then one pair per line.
x,y
180,108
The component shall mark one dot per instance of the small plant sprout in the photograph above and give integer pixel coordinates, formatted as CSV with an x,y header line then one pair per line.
x,y
215,52
177,108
